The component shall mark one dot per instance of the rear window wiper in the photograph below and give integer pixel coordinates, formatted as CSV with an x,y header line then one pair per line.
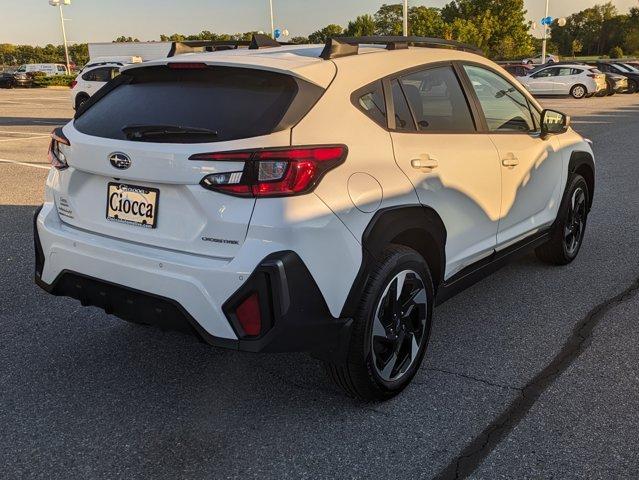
x,y
149,132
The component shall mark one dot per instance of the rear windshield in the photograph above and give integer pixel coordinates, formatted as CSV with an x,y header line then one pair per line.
x,y
232,102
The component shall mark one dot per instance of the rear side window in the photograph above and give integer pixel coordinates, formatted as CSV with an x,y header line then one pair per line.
x,y
403,117
232,102
437,101
372,103
98,75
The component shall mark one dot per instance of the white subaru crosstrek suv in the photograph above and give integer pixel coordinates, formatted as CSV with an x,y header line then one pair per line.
x,y
308,198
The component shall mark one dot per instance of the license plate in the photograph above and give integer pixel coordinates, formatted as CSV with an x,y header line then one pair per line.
x,y
132,204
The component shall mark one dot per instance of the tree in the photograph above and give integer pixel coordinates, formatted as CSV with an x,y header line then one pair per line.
x,y
389,19
616,52
425,22
577,47
363,25
499,27
300,40
123,39
320,36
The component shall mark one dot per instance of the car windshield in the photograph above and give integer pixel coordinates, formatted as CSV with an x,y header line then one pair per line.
x,y
630,68
622,67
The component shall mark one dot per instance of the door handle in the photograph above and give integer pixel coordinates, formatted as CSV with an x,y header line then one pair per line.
x,y
510,161
425,163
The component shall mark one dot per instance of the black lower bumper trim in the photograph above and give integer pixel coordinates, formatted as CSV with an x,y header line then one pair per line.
x,y
297,316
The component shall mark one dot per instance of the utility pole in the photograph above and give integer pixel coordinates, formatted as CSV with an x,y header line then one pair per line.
x,y
270,4
543,43
59,3
405,26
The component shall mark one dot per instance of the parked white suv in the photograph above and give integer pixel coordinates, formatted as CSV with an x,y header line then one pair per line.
x,y
91,79
576,80
308,198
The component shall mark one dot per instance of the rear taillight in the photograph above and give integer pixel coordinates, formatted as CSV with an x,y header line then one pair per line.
x,y
273,172
57,157
73,83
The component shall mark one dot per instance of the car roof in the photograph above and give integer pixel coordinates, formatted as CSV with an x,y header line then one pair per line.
x,y
304,61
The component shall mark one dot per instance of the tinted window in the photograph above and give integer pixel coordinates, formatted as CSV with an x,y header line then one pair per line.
x,y
505,108
373,104
403,118
98,75
234,102
437,101
563,71
546,72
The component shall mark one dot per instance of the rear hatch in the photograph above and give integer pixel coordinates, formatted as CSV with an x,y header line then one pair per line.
x,y
132,176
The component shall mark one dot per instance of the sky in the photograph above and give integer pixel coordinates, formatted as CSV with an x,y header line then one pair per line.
x,y
35,22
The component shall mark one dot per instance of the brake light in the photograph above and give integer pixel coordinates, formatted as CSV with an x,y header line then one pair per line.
x,y
56,156
273,172
186,65
73,83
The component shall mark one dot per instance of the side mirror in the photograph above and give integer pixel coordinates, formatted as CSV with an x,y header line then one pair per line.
x,y
554,123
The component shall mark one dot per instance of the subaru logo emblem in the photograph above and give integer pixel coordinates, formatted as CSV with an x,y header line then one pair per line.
x,y
120,160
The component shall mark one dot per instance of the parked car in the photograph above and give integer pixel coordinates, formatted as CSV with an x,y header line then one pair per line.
x,y
518,69
614,84
319,198
7,80
90,80
575,80
537,60
50,69
619,69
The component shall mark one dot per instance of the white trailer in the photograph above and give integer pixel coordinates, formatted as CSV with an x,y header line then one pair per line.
x,y
145,50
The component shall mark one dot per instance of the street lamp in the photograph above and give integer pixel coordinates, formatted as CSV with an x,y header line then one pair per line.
x,y
270,4
405,25
543,44
59,3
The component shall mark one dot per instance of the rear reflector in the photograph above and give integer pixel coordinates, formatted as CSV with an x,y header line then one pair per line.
x,y
273,172
249,316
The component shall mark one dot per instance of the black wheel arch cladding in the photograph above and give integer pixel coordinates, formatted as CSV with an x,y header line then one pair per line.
x,y
414,226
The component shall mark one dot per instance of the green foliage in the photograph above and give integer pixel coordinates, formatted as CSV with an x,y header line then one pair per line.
x,y
599,29
360,27
300,40
123,39
42,81
328,31
616,52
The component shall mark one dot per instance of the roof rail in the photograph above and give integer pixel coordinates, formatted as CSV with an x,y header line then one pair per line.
x,y
258,41
339,46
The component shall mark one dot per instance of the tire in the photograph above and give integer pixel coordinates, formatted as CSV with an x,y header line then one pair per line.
x,y
388,339
530,62
578,91
632,86
80,98
570,227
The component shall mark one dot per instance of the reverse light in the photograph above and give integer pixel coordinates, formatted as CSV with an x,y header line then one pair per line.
x,y
273,172
249,316
56,156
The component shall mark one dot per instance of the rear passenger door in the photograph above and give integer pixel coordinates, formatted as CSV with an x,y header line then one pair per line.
x,y
531,166
454,169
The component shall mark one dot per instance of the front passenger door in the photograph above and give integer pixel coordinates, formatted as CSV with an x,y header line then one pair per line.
x,y
531,166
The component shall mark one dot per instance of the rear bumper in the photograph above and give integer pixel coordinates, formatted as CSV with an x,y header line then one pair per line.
x,y
172,296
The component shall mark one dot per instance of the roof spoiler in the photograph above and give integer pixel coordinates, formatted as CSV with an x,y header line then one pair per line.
x,y
343,46
258,41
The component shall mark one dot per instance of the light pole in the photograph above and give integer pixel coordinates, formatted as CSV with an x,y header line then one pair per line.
x,y
543,43
405,25
59,3
270,4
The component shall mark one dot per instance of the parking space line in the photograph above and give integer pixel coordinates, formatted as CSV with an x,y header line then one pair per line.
x,y
22,138
20,133
26,164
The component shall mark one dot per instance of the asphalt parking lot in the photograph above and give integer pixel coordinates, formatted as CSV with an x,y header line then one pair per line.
x,y
531,373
